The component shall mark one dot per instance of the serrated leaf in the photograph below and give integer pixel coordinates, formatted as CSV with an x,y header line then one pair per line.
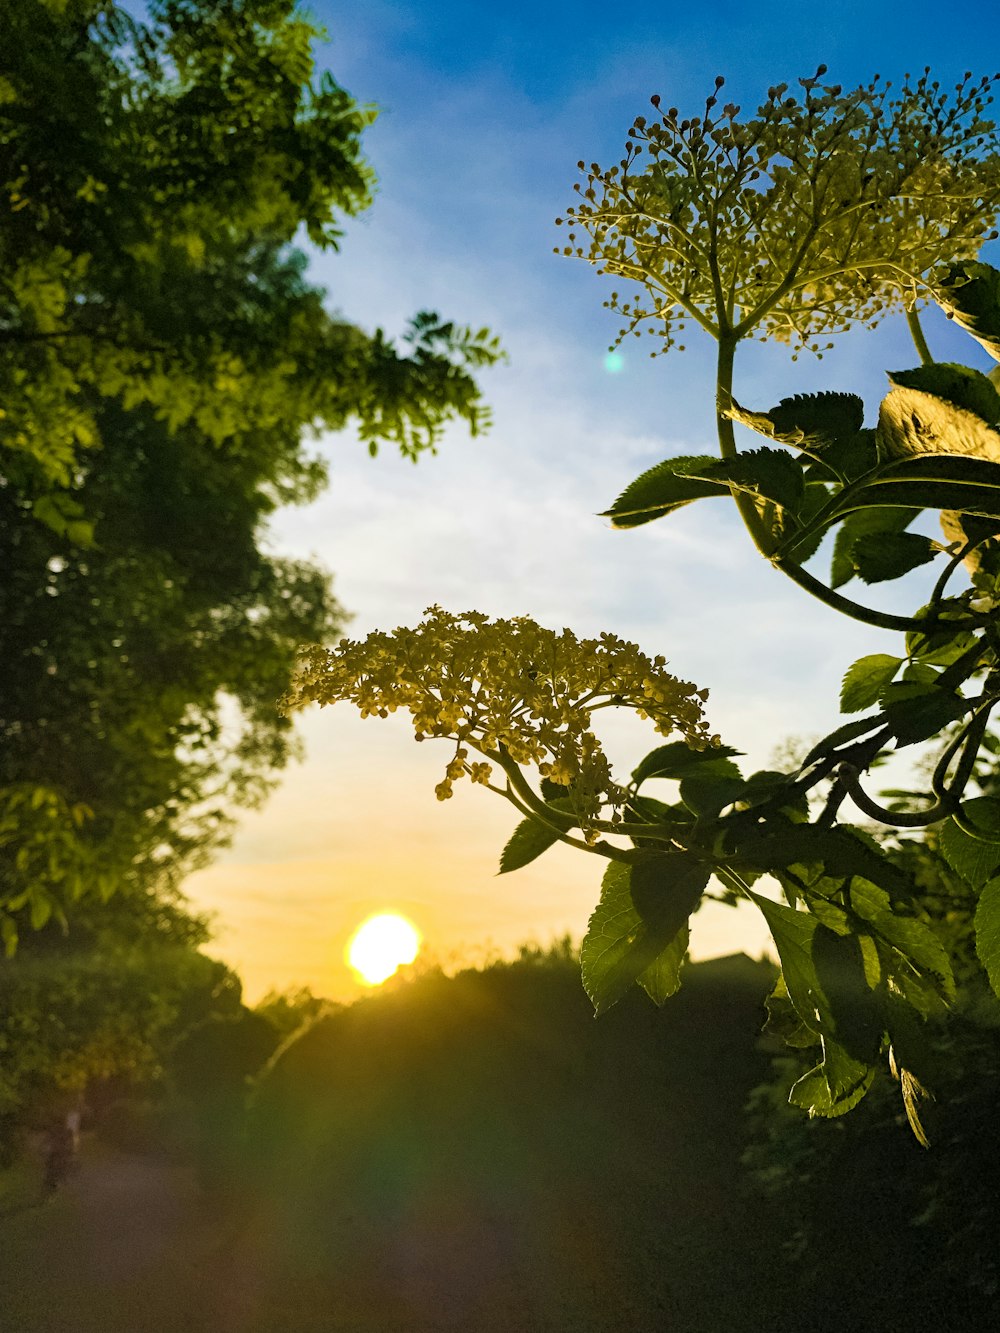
x,y
839,851
860,523
970,293
865,681
975,859
850,731
840,967
853,456
711,787
770,474
917,712
783,1022
677,760
663,489
816,497
529,840
913,422
624,945
805,418
835,1086
959,385
910,937
988,932
890,555
663,977
930,481
793,933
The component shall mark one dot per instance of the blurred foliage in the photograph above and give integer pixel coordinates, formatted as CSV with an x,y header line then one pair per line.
x,y
162,356
99,1008
475,1151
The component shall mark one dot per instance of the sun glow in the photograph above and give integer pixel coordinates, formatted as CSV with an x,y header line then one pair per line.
x,y
380,945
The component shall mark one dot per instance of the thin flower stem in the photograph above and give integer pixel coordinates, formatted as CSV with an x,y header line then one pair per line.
x,y
919,341
749,513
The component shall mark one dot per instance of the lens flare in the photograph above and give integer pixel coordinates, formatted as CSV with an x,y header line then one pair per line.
x,y
380,945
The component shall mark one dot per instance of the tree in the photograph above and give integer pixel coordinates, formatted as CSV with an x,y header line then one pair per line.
x,y
162,356
820,212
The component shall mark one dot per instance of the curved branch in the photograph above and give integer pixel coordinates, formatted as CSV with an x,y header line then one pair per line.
x,y
848,775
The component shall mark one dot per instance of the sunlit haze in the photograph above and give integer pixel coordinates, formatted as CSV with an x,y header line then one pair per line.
x,y
381,945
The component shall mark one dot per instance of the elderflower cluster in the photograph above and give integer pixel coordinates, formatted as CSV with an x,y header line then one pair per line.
x,y
821,209
511,690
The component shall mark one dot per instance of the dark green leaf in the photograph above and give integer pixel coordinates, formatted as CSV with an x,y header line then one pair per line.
x,y
793,933
666,888
677,760
769,473
839,851
890,555
976,859
528,841
853,456
662,489
988,932
711,787
860,523
784,1022
816,496
857,1023
850,731
910,937
970,294
865,681
806,419
917,712
959,385
663,976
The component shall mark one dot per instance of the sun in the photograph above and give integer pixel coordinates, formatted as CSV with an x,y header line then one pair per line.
x,y
380,945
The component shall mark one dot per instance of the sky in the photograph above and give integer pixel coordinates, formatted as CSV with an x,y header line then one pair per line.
x,y
484,112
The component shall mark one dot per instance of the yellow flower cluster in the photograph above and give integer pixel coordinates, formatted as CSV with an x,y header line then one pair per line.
x,y
513,691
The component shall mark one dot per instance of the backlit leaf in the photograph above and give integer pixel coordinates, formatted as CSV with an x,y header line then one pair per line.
x,y
970,294
988,932
860,523
865,681
959,385
677,760
769,473
662,489
914,422
890,555
835,1086
806,419
626,944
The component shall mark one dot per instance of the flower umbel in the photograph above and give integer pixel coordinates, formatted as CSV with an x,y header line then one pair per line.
x,y
515,692
822,209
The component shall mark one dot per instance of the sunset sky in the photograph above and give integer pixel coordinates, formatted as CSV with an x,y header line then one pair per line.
x,y
484,112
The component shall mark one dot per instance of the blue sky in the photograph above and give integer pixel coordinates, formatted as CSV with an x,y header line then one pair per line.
x,y
483,115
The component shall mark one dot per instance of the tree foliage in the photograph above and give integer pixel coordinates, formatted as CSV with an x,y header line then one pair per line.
x,y
105,1002
162,357
820,212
